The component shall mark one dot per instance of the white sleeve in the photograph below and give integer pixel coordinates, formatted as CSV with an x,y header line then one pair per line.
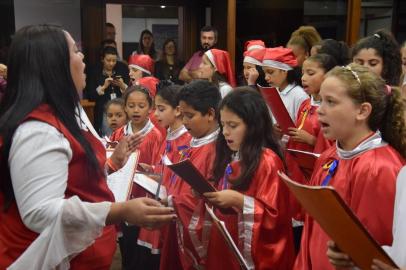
x,y
397,250
38,161
225,88
99,90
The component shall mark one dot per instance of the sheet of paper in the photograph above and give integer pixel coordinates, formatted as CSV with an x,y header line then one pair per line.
x,y
227,237
150,185
166,161
303,158
120,182
305,152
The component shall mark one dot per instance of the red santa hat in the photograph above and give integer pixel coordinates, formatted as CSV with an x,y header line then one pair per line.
x,y
254,56
150,83
221,61
254,45
141,62
280,58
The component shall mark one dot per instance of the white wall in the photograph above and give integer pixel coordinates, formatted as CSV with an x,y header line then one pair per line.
x,y
61,12
132,27
114,15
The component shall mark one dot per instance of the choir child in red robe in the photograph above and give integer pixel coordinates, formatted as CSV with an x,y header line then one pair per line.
x,y
138,105
305,136
248,157
198,103
175,146
366,118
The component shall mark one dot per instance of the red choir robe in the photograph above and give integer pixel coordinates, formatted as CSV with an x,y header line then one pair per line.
x,y
263,230
149,151
150,145
366,179
149,148
307,120
191,229
15,237
175,148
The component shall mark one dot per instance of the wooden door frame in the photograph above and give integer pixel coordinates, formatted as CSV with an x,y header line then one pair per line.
x,y
353,21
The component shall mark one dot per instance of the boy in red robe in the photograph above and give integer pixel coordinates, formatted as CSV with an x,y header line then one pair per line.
x,y
198,103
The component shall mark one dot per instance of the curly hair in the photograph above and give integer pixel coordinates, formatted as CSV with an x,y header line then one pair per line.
x,y
387,113
388,49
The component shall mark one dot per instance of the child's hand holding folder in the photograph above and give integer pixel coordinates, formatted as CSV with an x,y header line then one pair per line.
x,y
341,260
302,136
337,257
227,198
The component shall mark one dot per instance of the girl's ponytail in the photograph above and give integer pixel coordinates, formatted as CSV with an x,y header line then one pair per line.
x,y
393,126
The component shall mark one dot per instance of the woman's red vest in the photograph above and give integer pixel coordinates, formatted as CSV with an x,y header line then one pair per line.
x,y
15,237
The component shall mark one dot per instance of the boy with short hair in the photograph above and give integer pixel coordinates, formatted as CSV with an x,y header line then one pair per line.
x,y
198,102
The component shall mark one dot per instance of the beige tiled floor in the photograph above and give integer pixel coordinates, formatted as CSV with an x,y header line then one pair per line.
x,y
116,265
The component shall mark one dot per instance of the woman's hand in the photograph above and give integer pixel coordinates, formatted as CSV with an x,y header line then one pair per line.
x,y
102,88
134,141
124,148
226,198
143,212
338,259
300,135
252,76
107,83
120,83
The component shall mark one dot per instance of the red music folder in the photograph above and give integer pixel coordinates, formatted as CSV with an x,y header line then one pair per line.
x,y
326,206
279,111
189,173
303,158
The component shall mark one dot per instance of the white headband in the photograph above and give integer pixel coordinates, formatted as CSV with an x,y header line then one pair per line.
x,y
254,47
276,64
140,68
252,60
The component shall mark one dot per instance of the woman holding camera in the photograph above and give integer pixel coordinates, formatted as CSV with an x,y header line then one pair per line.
x,y
106,83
